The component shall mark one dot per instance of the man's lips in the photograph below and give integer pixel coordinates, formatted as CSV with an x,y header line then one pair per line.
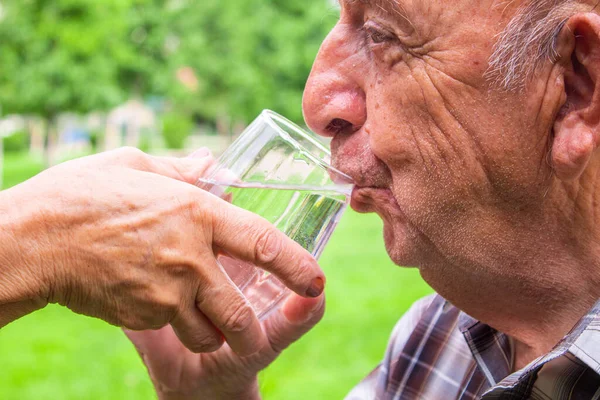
x,y
365,198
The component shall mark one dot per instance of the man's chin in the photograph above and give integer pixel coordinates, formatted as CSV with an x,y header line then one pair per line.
x,y
399,246
400,243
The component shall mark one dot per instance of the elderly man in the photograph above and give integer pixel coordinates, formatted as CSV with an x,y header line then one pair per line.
x,y
471,128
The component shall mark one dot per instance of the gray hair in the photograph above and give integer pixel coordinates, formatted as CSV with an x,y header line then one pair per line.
x,y
528,41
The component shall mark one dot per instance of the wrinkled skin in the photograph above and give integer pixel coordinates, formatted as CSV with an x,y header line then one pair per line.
x,y
490,193
450,157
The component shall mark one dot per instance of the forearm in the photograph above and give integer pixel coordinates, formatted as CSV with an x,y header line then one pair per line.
x,y
21,284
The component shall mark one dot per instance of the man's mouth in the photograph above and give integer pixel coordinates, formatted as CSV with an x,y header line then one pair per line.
x,y
365,198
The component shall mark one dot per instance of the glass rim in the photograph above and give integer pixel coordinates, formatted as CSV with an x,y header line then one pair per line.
x,y
271,117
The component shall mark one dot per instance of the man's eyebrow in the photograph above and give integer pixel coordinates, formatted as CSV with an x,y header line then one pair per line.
x,y
389,6
386,5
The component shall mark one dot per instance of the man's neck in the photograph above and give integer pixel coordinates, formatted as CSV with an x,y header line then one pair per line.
x,y
535,293
536,273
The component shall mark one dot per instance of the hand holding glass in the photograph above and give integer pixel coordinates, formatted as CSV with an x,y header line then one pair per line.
x,y
282,173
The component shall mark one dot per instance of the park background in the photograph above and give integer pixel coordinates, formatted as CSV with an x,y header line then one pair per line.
x,y
168,76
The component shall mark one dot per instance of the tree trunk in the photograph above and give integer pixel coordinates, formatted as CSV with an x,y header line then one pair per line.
x,y
223,125
50,142
37,137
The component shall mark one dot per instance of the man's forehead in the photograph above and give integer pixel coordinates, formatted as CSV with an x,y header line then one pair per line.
x,y
386,5
423,14
403,7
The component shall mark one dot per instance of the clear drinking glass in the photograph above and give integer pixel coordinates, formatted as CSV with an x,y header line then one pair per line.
x,y
282,173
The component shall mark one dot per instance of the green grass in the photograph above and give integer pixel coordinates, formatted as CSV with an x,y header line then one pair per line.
x,y
55,354
18,167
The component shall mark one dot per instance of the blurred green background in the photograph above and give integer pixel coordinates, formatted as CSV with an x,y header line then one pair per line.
x,y
168,76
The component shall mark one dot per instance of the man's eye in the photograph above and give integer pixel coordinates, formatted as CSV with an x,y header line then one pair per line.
x,y
378,36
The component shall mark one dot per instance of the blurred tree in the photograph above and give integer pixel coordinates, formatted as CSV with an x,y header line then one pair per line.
x,y
176,128
147,59
250,54
211,59
56,56
81,55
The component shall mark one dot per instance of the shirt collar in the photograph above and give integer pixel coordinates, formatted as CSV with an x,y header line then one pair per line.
x,y
494,353
492,350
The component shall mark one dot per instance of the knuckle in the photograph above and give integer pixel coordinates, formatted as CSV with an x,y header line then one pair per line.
x,y
307,268
154,312
161,299
239,319
170,307
130,152
134,323
145,320
132,155
198,210
179,270
268,246
300,272
205,344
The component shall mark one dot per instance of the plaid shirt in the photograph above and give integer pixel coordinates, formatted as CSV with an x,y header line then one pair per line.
x,y
437,352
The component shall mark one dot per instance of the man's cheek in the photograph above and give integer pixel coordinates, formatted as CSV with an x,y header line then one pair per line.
x,y
395,138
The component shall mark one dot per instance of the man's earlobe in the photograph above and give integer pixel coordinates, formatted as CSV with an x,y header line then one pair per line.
x,y
577,126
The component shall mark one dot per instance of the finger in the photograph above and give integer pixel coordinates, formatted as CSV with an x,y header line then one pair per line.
x,y
295,318
196,332
229,311
201,153
248,237
218,183
188,169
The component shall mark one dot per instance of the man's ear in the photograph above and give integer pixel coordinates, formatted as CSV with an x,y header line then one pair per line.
x,y
577,126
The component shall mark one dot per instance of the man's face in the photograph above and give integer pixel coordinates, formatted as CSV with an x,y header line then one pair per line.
x,y
455,168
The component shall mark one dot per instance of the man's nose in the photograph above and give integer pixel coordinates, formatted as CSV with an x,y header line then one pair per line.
x,y
334,100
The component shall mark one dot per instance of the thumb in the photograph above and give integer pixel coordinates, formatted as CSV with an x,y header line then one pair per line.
x,y
296,317
188,169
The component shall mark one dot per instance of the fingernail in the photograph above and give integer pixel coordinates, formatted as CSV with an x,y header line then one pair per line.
x,y
316,288
201,153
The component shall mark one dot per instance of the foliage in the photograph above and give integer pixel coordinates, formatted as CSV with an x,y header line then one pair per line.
x,y
17,142
83,55
145,143
19,167
252,54
56,56
176,128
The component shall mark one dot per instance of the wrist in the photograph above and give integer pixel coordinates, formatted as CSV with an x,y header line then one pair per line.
x,y
22,289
